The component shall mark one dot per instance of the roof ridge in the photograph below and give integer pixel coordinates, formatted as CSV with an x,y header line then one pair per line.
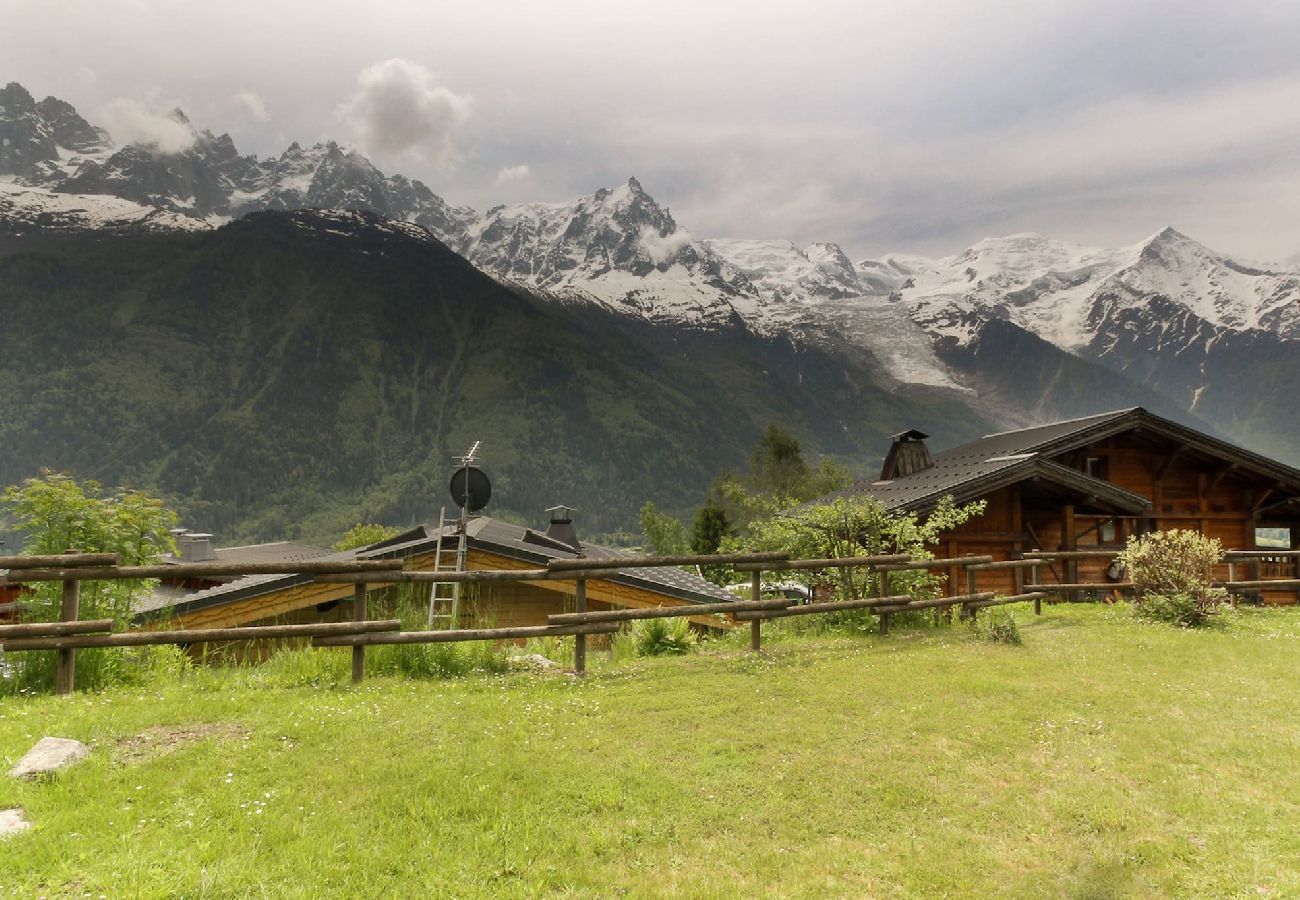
x,y
1100,415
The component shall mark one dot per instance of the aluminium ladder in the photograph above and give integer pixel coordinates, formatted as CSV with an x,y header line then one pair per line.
x,y
444,597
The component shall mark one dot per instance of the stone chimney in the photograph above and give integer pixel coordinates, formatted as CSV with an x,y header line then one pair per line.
x,y
907,454
561,528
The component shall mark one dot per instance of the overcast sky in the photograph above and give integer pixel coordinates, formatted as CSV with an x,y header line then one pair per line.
x,y
884,126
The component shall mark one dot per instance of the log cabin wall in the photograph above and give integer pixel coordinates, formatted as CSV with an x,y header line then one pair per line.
x,y
1186,490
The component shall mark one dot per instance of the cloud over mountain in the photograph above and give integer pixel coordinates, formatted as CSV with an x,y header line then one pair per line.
x,y
399,108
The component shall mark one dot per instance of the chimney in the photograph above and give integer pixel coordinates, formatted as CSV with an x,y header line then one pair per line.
x,y
561,528
193,546
907,454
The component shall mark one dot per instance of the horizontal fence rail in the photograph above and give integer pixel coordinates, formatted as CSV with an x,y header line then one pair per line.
x,y
465,634
666,612
644,562
49,629
61,560
71,633
199,635
846,562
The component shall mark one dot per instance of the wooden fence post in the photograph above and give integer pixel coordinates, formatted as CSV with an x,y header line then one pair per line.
x,y
756,625
65,673
968,611
1038,601
580,640
882,590
358,615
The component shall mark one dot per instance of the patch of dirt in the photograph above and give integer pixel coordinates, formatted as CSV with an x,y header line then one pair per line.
x,y
163,739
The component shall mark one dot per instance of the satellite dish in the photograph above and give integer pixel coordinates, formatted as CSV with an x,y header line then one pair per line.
x,y
470,488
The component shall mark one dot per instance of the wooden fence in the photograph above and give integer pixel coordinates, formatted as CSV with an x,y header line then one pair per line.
x,y
71,633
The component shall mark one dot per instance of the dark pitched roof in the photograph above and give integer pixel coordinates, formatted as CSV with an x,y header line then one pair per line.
x,y
276,551
996,460
490,535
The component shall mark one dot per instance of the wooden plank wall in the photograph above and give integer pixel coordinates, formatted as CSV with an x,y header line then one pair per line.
x,y
1186,492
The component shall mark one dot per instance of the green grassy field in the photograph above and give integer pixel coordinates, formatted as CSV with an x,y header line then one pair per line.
x,y
1104,757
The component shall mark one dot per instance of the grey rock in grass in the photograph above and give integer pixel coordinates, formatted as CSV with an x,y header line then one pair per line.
x,y
533,662
51,754
12,821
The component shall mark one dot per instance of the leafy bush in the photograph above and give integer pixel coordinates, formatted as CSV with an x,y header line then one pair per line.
x,y
1170,571
998,626
56,513
1177,609
663,637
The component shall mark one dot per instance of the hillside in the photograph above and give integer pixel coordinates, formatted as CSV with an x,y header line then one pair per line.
x,y
291,373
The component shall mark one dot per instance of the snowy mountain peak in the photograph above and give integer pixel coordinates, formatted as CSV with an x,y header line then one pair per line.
x,y
616,246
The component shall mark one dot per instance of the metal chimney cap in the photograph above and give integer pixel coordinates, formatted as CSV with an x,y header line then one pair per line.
x,y
910,434
561,513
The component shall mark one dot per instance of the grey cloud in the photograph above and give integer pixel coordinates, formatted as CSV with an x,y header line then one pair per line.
x,y
400,109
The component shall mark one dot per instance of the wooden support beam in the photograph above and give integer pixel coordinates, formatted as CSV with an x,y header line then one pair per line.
x,y
810,609
424,577
756,626
641,562
934,563
940,602
201,570
66,667
199,635
1032,555
844,562
1011,598
580,641
59,561
1082,586
882,591
665,612
359,615
1217,478
53,629
465,634
1258,584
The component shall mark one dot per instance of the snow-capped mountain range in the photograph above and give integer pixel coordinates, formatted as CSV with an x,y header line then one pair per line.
x,y
1166,295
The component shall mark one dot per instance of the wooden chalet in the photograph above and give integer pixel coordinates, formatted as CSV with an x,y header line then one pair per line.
x,y
491,545
1091,483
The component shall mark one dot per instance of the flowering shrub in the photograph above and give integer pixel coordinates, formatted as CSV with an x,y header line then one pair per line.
x,y
1170,571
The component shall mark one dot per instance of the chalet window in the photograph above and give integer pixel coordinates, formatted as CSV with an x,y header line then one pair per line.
x,y
1097,467
1273,537
1108,532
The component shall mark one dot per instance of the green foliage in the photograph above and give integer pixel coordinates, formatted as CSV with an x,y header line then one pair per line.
x,y
858,526
57,513
709,529
1171,575
363,535
663,533
663,637
998,626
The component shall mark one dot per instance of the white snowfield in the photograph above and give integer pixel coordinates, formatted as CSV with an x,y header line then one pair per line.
x,y
1065,293
37,207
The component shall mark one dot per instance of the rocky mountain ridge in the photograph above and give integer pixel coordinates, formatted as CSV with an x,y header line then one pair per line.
x,y
1166,312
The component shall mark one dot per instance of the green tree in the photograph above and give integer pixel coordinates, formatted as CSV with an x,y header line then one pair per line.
x,y
709,528
664,534
859,526
56,513
363,535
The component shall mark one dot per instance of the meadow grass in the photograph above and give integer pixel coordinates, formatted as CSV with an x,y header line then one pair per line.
x,y
1104,757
